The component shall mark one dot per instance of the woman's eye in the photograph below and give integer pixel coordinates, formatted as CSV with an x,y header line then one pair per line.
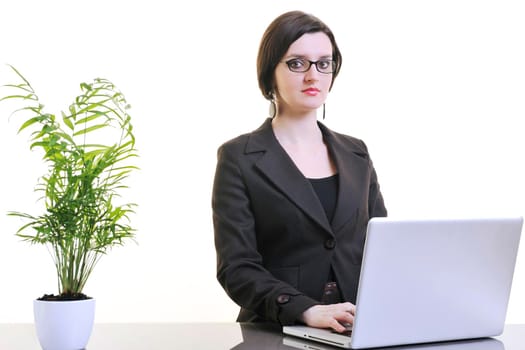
x,y
296,63
324,64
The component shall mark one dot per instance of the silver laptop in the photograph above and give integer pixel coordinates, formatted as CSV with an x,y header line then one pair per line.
x,y
428,281
471,344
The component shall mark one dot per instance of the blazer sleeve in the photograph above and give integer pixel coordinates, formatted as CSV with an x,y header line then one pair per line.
x,y
376,204
240,268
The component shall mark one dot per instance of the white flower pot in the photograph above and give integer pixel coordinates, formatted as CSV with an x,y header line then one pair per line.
x,y
64,325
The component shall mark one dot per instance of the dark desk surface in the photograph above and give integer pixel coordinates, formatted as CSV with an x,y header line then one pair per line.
x,y
216,336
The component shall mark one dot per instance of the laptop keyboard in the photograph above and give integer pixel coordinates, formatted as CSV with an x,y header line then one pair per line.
x,y
347,332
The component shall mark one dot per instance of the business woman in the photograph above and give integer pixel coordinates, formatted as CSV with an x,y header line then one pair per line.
x,y
291,200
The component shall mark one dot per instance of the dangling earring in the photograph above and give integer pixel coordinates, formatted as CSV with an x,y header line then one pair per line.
x,y
323,111
273,108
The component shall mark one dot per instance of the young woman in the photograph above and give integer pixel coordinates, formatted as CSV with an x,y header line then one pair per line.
x,y
292,199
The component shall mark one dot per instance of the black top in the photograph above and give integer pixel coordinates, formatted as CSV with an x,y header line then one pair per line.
x,y
326,190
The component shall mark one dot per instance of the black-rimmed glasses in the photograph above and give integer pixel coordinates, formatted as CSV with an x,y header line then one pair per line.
x,y
301,65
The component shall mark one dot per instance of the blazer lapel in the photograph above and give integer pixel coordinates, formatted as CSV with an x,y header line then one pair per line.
x,y
352,166
279,168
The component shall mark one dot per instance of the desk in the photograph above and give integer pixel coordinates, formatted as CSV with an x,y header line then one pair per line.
x,y
218,336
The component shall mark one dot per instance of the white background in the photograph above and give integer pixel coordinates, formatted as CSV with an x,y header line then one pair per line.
x,y
435,88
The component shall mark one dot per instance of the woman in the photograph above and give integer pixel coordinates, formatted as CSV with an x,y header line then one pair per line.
x,y
292,199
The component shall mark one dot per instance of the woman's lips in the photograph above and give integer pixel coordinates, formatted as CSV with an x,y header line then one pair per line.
x,y
311,91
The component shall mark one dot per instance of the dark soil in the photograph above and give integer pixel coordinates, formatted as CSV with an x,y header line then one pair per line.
x,y
64,297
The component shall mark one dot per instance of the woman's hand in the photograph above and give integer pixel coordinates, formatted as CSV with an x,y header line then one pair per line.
x,y
330,316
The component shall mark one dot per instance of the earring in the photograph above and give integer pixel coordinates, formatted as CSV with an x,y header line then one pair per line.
x,y
323,111
273,108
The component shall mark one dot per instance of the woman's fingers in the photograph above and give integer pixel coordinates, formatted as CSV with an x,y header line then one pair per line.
x,y
349,307
337,326
334,316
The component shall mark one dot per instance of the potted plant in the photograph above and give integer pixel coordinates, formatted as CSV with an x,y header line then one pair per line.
x,y
89,152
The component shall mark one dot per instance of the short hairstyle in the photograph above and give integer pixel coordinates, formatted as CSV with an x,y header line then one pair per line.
x,y
278,37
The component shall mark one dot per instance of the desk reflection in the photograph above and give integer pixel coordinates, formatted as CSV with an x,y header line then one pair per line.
x,y
221,336
269,336
260,336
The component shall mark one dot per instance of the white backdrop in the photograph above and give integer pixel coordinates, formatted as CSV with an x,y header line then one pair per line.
x,y
435,88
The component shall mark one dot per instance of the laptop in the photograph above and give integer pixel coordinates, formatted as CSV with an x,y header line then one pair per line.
x,y
471,344
429,280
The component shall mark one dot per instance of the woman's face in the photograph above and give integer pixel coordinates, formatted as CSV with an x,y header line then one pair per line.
x,y
304,92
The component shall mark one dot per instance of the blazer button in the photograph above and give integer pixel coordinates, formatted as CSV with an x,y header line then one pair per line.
x,y
329,244
283,299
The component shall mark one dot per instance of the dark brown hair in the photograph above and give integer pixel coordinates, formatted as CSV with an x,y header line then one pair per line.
x,y
278,37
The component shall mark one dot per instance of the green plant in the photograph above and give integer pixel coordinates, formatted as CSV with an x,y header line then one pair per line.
x,y
88,152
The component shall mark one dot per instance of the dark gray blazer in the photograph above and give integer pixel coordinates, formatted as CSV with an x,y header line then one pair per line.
x,y
274,243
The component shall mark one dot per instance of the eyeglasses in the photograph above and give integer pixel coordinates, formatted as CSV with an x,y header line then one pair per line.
x,y
300,65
